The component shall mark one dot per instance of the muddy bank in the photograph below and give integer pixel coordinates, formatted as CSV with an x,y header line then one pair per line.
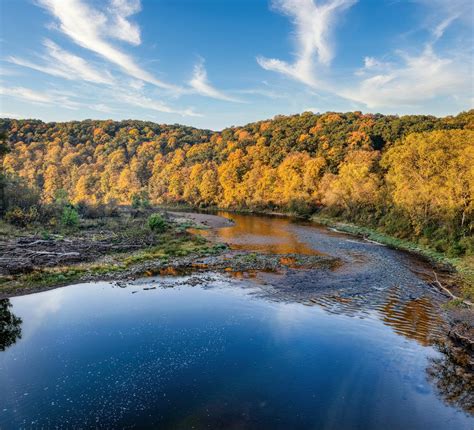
x,y
91,240
99,249
26,254
201,220
235,262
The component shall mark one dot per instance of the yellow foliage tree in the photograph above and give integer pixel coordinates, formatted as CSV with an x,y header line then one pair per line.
x,y
431,176
355,185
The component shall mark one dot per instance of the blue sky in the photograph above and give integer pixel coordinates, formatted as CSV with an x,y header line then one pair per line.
x,y
216,63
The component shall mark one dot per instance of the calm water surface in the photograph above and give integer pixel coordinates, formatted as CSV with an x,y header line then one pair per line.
x,y
226,353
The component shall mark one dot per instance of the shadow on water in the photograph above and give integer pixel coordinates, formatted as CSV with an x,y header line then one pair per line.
x,y
10,325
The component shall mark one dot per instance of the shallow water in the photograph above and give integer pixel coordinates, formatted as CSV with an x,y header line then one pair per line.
x,y
243,353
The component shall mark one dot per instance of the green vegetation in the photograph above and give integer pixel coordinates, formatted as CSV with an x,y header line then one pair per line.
x,y
10,325
70,217
141,200
156,223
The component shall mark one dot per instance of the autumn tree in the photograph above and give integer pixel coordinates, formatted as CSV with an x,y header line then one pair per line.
x,y
431,177
355,186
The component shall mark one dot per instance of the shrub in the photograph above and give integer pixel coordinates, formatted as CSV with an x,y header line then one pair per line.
x,y
18,194
300,207
140,200
467,244
136,201
21,217
98,210
156,223
70,217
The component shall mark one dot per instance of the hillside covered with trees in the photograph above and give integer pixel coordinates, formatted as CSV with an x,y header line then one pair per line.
x,y
411,176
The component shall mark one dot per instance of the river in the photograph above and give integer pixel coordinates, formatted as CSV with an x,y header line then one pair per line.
x,y
353,347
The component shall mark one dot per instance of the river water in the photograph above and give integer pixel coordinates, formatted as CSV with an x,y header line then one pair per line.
x,y
350,348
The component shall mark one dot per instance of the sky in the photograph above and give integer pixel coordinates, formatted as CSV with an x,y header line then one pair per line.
x,y
217,63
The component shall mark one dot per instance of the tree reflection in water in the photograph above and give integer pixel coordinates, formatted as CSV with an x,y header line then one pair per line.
x,y
453,374
418,319
415,319
10,325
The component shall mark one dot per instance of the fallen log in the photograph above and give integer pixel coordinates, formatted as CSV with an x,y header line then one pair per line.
x,y
449,293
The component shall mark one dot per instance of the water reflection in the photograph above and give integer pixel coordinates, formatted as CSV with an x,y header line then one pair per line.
x,y
453,374
213,356
270,235
10,325
416,319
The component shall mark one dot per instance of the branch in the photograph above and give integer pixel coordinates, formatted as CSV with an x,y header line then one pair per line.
x,y
449,293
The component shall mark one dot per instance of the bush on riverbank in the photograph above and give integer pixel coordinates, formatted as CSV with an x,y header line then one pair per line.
x,y
156,223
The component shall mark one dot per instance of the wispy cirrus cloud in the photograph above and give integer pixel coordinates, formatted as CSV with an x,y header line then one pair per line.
x,y
122,28
439,14
314,24
416,78
118,100
260,92
201,85
39,97
14,115
411,78
91,28
410,82
100,107
58,62
144,102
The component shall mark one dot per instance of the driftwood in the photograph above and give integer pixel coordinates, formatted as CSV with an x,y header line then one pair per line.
x,y
460,338
449,293
24,254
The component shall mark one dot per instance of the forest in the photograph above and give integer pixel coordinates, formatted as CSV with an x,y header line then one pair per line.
x,y
411,177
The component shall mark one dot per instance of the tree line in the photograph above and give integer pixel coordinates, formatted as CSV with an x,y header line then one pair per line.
x,y
410,176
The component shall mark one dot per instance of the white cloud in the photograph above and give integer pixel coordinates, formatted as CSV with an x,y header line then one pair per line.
x,y
89,28
26,94
123,29
144,102
439,14
11,115
119,100
136,85
201,85
314,24
417,78
371,62
100,107
271,94
65,65
39,97
410,80
413,81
